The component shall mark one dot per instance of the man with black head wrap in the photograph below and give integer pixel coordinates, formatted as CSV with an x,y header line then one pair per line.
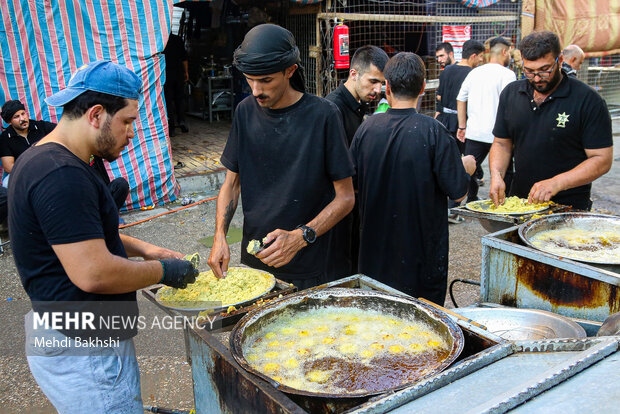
x,y
20,135
287,157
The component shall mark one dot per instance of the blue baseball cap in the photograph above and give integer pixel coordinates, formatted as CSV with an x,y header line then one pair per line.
x,y
99,76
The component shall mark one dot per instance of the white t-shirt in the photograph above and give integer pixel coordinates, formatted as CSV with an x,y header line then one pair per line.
x,y
481,89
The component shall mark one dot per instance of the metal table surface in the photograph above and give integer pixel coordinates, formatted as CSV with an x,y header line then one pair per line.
x,y
523,377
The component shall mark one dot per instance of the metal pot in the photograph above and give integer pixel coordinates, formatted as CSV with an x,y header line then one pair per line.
x,y
398,306
583,221
523,324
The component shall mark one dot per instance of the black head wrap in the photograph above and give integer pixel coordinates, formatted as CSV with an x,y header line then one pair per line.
x,y
9,109
269,48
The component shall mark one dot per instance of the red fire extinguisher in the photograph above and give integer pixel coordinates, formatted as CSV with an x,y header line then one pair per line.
x,y
341,46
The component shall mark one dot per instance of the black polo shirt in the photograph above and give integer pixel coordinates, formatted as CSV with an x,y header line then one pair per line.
x,y
12,144
352,111
551,138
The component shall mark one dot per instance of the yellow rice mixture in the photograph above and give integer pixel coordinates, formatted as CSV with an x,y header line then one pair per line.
x,y
241,284
512,205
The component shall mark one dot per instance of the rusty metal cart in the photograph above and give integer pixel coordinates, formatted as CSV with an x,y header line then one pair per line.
x,y
221,385
517,275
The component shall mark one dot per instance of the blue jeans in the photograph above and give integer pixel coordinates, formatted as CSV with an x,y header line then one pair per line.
x,y
102,379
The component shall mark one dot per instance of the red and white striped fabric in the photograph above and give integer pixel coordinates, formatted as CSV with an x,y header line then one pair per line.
x,y
456,36
43,43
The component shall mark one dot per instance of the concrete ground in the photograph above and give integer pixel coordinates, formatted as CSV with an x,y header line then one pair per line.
x,y
165,375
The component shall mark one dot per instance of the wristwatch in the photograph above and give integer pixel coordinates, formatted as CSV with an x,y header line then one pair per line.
x,y
309,234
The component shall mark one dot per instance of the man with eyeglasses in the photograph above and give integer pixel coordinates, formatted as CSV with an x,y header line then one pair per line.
x,y
558,127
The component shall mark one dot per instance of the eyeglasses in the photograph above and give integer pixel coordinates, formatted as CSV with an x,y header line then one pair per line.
x,y
543,73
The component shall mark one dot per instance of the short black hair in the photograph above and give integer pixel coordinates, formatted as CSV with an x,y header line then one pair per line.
x,y
367,55
538,44
78,106
445,46
499,41
472,47
405,73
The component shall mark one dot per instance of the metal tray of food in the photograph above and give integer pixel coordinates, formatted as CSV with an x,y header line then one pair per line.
x,y
266,318
215,306
523,324
584,237
486,206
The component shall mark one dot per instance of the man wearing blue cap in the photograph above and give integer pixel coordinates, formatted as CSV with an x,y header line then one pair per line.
x,y
71,259
287,158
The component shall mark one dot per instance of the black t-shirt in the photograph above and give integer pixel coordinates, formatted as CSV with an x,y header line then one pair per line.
x,y
287,160
56,198
551,138
450,81
408,165
352,111
13,145
99,167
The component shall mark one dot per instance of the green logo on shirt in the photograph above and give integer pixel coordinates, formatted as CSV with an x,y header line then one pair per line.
x,y
562,120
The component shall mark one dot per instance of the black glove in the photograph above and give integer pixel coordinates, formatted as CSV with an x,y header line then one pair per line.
x,y
178,273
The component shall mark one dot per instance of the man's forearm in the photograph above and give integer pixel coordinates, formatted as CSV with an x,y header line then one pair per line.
x,y
227,201
104,272
499,156
587,171
135,247
337,209
461,109
7,164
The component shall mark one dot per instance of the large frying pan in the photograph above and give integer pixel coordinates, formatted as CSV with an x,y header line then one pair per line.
x,y
399,306
584,221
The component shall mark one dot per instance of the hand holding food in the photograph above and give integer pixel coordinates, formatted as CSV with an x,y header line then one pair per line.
x,y
497,191
219,257
543,191
284,246
178,273
255,246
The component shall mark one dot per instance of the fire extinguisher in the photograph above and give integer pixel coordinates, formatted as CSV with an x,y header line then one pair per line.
x,y
341,46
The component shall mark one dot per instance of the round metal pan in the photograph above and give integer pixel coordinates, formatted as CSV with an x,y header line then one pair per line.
x,y
585,221
523,324
484,206
400,306
197,306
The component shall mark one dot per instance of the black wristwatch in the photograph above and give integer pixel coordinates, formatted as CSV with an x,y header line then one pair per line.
x,y
309,234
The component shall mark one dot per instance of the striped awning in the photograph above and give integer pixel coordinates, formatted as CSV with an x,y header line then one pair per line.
x,y
478,4
43,43
181,2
